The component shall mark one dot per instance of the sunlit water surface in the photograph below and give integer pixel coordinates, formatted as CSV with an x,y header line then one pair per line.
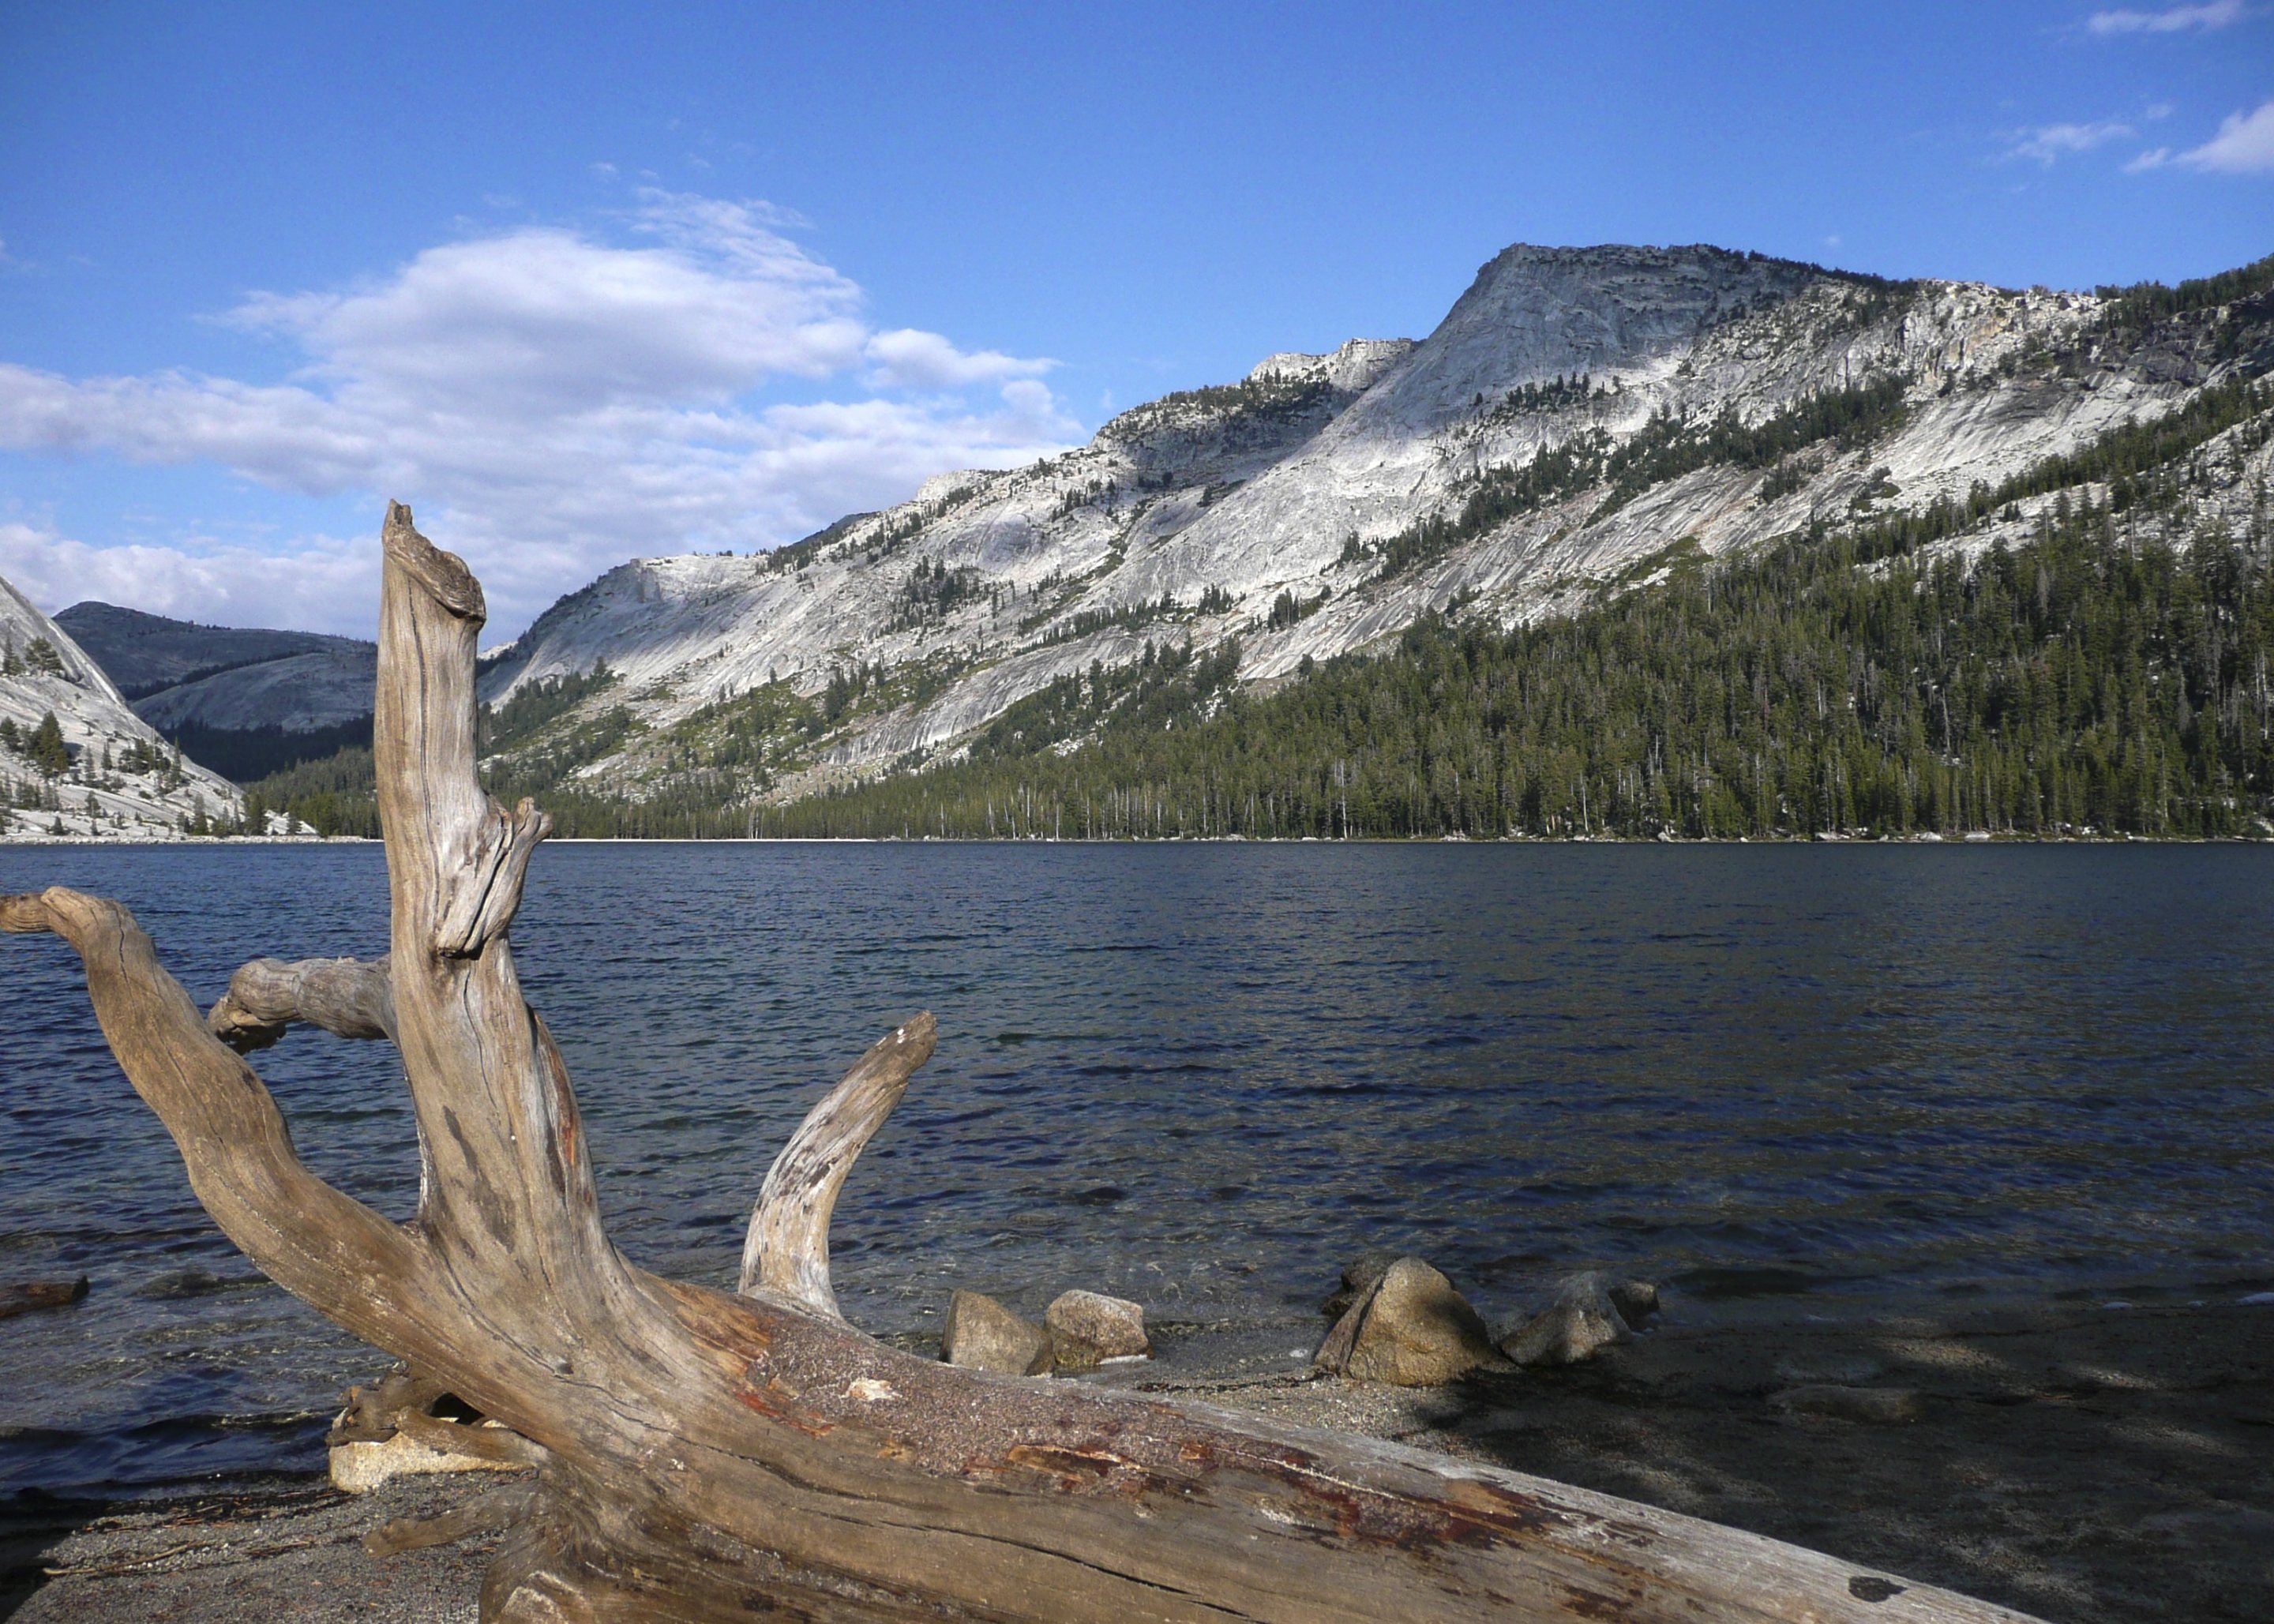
x,y
1789,1079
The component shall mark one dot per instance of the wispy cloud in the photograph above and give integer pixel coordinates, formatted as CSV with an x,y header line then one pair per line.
x,y
555,401
2171,20
2047,144
2243,146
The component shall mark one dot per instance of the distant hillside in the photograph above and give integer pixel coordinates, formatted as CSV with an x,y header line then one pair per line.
x,y
1587,426
247,701
98,769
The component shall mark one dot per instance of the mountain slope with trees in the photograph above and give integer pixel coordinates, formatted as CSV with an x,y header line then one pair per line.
x,y
1745,581
74,760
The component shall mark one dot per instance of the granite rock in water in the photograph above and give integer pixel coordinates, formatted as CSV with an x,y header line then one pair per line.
x,y
1359,1279
1584,1320
983,1334
1088,1327
1411,1329
1637,1300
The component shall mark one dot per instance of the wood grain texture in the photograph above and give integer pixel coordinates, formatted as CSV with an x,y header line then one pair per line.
x,y
348,997
702,1455
786,1251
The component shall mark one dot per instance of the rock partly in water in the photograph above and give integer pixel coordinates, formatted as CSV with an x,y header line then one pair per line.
x,y
1582,1320
1409,1329
983,1334
1880,1406
34,1294
1088,1327
1637,1300
1359,1279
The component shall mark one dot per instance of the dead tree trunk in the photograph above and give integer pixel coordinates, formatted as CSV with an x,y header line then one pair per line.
x,y
697,1456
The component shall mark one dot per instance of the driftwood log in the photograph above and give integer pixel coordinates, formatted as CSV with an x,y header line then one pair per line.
x,y
697,1456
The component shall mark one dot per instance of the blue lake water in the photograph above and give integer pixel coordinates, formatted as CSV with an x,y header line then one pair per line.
x,y
1789,1080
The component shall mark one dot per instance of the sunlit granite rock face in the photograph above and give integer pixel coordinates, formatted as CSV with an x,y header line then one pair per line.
x,y
122,782
991,585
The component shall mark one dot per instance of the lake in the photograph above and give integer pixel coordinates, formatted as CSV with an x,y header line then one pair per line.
x,y
1791,1080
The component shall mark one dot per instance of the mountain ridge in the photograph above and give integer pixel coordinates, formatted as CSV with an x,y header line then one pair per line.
x,y
1583,423
1192,517
245,701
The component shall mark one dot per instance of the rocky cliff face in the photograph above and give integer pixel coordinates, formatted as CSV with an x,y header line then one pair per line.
x,y
1578,413
123,781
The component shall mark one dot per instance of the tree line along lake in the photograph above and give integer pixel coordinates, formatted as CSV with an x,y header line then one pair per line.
x,y
1801,1081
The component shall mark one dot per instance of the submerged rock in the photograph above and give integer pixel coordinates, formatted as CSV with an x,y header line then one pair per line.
x,y
1584,1320
1088,1327
1410,1328
983,1334
35,1294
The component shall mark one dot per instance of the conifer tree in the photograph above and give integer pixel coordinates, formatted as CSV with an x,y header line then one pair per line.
x,y
47,749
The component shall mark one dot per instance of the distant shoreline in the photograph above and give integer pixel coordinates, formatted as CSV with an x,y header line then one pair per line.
x,y
217,843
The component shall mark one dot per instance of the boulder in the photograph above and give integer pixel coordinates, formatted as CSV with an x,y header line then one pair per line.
x,y
360,1464
1879,1406
1088,1327
1409,1329
983,1334
1582,1320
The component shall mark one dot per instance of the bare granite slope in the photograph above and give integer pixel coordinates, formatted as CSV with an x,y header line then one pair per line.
x,y
1301,488
123,781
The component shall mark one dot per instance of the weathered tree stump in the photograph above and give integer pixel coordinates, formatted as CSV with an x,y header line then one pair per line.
x,y
697,1456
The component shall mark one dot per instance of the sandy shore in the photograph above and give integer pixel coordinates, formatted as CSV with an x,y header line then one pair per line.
x,y
2083,1464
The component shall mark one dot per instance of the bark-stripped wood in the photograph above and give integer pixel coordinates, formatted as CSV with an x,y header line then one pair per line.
x,y
786,1252
702,1457
347,997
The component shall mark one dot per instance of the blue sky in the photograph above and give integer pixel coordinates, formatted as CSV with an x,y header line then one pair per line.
x,y
585,284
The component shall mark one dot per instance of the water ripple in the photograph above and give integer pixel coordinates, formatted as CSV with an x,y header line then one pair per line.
x,y
1205,1077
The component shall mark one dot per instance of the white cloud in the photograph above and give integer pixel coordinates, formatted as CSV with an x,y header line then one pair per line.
x,y
2047,143
2172,19
551,404
908,359
2243,146
321,584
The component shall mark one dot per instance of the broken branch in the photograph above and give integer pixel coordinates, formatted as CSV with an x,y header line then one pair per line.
x,y
787,1250
349,998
